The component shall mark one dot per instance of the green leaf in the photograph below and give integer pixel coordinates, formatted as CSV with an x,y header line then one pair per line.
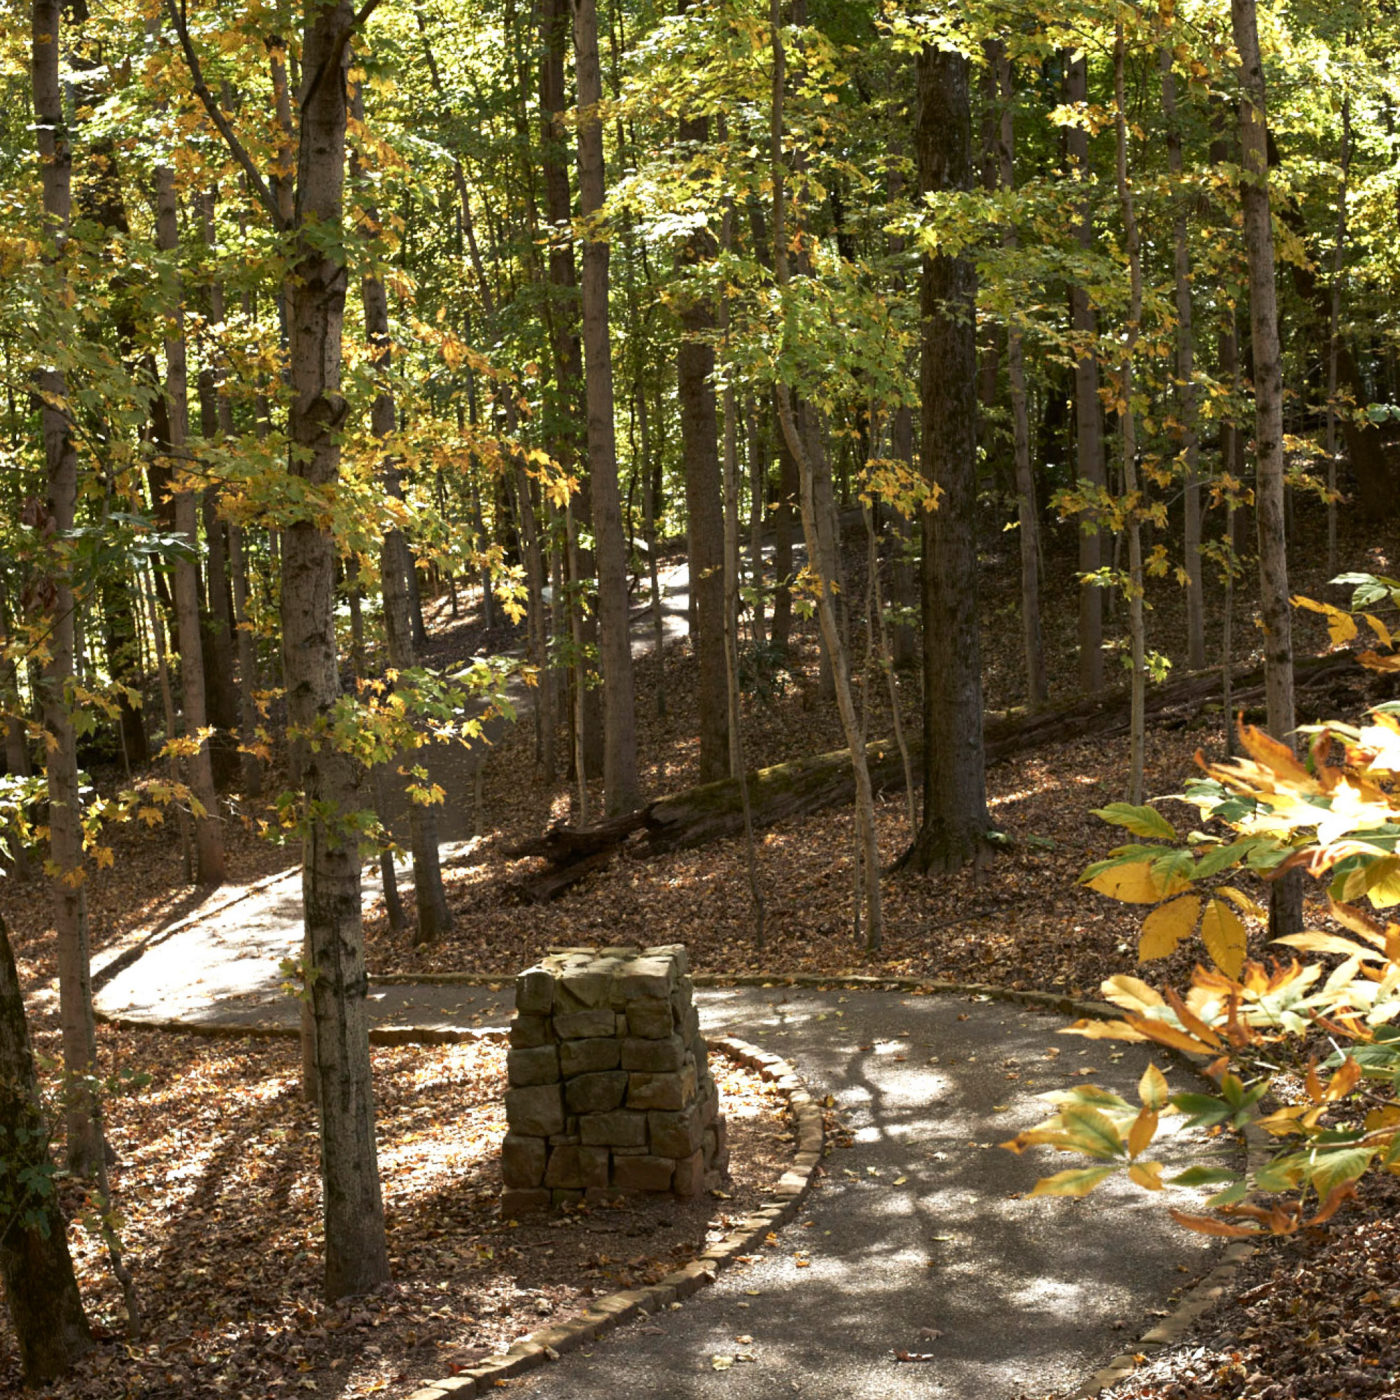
x,y
1333,1169
1141,821
1091,1131
1078,1181
1204,1176
1202,1110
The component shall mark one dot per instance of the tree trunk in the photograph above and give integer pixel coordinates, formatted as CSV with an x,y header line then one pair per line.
x,y
429,896
53,596
1137,730
1027,513
1185,370
46,1312
356,1252
1286,896
695,367
208,834
1088,418
955,819
620,783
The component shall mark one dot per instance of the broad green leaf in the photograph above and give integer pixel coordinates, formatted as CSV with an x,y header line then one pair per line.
x,y
1078,1181
1202,1110
1333,1169
1164,928
1091,1131
1204,1176
1141,821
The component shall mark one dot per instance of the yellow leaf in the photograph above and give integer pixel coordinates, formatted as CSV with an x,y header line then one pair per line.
x,y
1141,1133
1077,1181
1383,634
1146,1174
1383,883
1134,882
1314,941
1164,928
1131,992
1224,936
1152,1088
1242,902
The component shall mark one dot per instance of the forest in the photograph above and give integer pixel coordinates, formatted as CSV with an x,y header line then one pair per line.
x,y
896,497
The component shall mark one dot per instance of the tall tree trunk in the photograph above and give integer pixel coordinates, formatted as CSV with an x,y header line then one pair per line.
x,y
356,1251
430,898
1286,895
695,367
782,539
1334,313
816,513
208,834
41,1292
54,519
1027,514
955,819
1088,418
1185,370
620,785
1137,722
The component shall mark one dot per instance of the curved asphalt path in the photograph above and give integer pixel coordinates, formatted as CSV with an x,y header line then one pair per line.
x,y
919,1237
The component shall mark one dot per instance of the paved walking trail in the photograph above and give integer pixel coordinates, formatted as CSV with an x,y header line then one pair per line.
x,y
921,1236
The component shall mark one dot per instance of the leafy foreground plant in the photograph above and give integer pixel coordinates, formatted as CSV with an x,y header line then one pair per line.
x,y
1264,1034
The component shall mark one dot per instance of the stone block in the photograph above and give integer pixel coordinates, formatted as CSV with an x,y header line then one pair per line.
x,y
657,1091
654,1056
676,952
689,1178
534,992
516,1202
568,1138
526,1032
565,1196
596,1093
708,1105
595,1166
674,1134
620,1128
649,977
583,1025
564,1169
644,1173
537,1065
589,1056
649,1018
584,988
536,1111
523,1160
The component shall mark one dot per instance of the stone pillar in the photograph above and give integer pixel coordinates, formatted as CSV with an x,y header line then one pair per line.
x,y
610,1091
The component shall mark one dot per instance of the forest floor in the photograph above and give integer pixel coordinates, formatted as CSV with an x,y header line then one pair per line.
x,y
1020,921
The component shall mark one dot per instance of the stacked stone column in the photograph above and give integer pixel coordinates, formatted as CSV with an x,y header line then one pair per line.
x,y
610,1091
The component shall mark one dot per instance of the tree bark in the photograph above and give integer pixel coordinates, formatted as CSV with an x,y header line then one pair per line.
x,y
955,818
429,896
620,784
1088,418
41,1292
208,835
1285,902
356,1251
695,368
1185,370
53,597
1027,513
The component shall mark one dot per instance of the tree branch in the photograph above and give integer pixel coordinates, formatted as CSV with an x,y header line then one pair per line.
x,y
221,122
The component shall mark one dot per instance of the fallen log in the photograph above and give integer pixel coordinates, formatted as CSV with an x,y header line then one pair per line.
x,y
817,781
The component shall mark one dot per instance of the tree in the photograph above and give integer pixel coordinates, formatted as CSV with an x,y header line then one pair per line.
x,y
620,785
42,1294
955,818
1286,896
